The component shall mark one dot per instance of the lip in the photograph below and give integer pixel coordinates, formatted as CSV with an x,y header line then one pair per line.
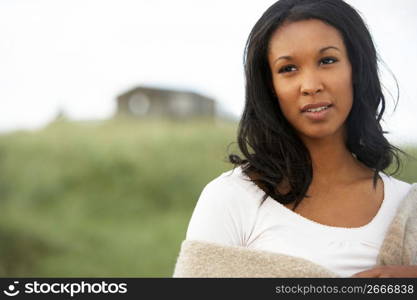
x,y
314,105
318,116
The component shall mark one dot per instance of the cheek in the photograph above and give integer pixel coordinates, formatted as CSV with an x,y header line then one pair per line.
x,y
344,81
287,96
344,90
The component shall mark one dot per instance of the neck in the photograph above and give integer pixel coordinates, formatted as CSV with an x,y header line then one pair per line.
x,y
332,162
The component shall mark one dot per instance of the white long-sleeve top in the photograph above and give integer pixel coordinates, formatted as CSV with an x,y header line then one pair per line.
x,y
230,211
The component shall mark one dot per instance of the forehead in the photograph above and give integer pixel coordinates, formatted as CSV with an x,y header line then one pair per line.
x,y
303,36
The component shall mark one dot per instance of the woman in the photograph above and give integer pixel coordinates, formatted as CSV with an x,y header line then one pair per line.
x,y
311,187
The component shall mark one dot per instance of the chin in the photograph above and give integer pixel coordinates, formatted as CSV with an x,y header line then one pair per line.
x,y
319,134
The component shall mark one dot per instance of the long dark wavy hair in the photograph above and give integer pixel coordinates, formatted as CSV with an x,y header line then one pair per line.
x,y
271,148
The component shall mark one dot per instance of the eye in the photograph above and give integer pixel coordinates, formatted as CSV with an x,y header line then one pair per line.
x,y
328,60
287,69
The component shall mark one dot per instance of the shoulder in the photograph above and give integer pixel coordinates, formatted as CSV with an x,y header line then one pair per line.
x,y
399,187
234,183
231,190
226,209
401,194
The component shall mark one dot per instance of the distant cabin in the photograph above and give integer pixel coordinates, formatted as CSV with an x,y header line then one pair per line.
x,y
155,102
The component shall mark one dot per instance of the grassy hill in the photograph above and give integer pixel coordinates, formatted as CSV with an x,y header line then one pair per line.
x,y
109,199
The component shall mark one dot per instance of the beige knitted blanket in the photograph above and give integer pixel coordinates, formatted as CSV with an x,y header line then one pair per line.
x,y
203,259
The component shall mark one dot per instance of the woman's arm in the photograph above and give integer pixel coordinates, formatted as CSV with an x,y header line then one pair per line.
x,y
391,271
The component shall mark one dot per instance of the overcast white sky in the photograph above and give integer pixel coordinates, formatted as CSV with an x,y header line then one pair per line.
x,y
78,55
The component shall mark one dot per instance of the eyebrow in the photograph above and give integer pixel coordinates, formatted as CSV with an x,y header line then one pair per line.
x,y
287,57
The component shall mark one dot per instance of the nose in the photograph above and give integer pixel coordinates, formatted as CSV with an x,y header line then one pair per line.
x,y
311,84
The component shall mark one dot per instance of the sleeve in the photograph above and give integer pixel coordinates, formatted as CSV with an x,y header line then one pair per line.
x,y
221,214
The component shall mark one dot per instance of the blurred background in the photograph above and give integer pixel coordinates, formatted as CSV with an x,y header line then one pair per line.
x,y
114,115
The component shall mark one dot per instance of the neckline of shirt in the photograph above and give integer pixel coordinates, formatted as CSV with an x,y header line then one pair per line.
x,y
299,218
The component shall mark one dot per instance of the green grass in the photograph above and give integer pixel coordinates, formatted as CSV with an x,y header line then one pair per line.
x,y
107,199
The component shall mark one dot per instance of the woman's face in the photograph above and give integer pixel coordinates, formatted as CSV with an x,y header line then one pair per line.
x,y
311,70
